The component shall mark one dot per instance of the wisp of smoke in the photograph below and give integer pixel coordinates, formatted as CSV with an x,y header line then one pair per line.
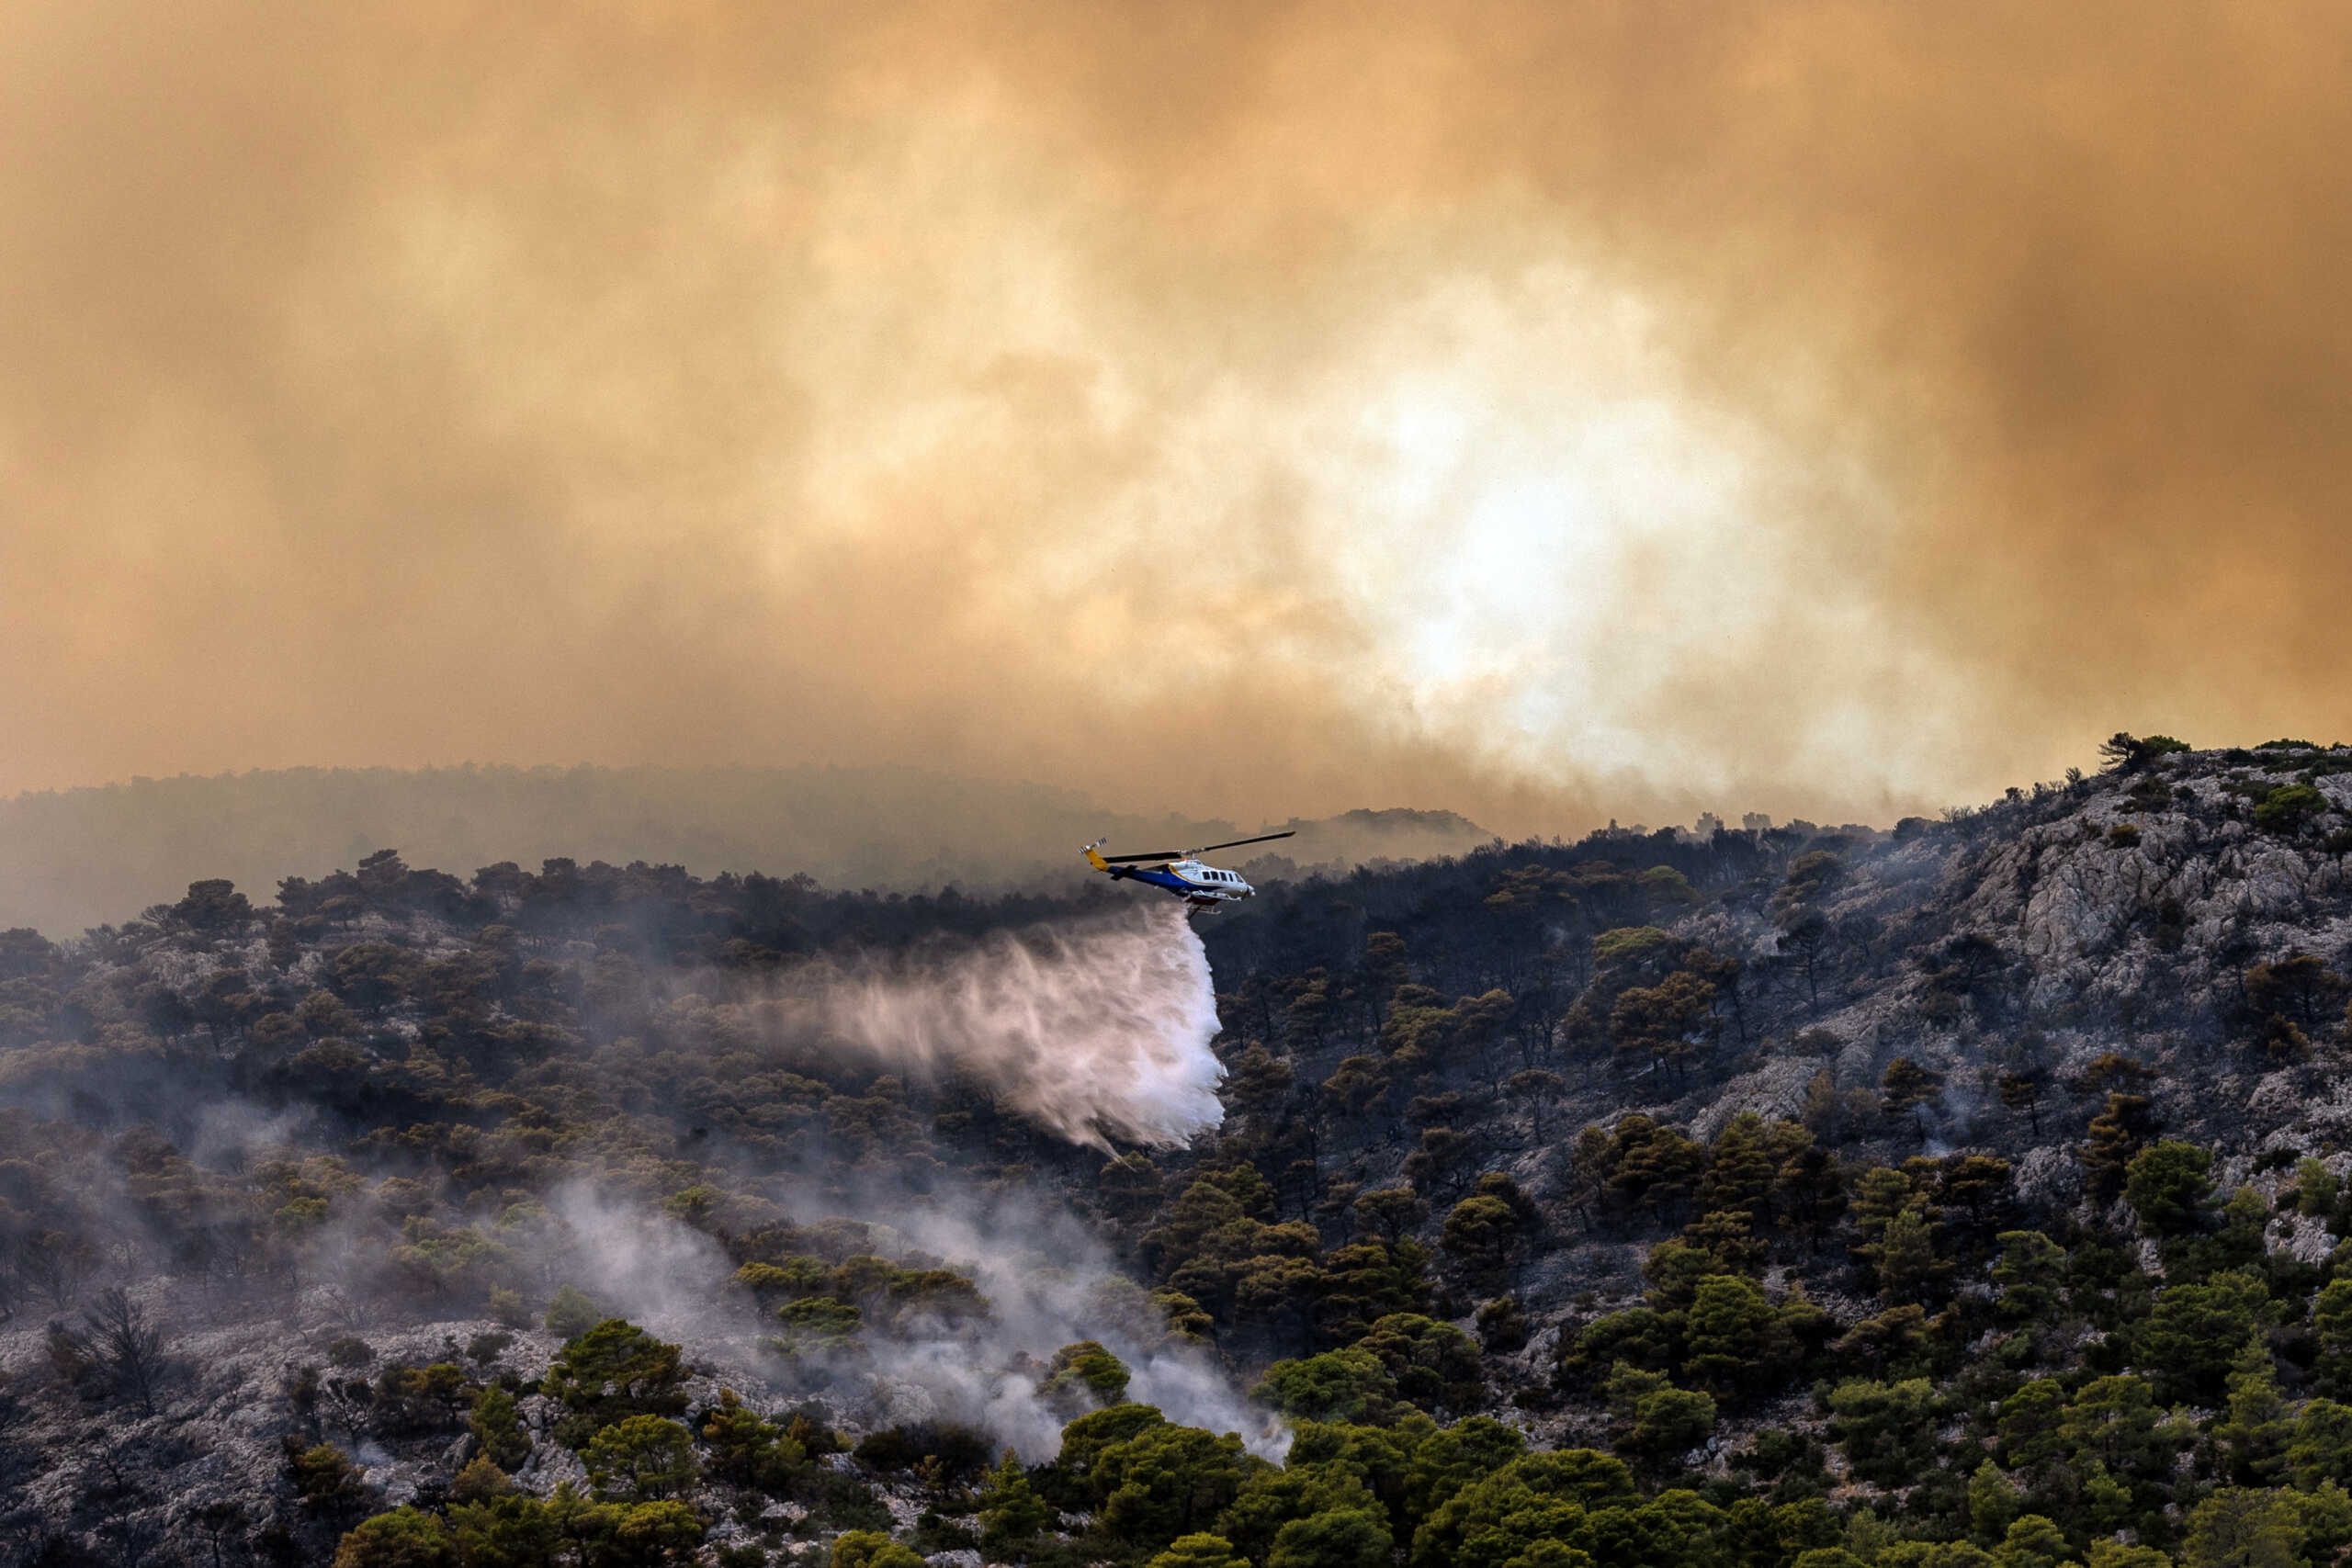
x,y
1096,1031
1049,1281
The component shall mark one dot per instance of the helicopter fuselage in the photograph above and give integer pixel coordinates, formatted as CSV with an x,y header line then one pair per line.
x,y
1200,884
1189,877
1183,872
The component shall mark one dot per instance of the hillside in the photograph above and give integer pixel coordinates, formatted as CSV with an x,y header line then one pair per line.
x,y
1961,1196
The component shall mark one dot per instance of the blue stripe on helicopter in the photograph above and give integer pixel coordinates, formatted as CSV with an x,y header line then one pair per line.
x,y
1167,879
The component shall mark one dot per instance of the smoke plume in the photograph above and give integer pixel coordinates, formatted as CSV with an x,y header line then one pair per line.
x,y
1095,1030
1546,411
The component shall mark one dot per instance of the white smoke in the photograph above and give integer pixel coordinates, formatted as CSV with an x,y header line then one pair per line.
x,y
1097,1030
1049,1281
637,1262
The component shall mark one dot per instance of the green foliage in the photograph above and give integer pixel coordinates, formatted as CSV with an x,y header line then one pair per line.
x,y
748,1451
1335,1537
1431,1363
1993,1504
2032,1273
1909,1262
497,1428
2115,1422
871,1548
2126,753
1539,1497
1886,1429
640,1458
1354,1384
1086,1374
2316,1187
815,1325
480,1480
1640,1336
2031,1424
325,1479
790,1278
1812,877
611,1372
413,1399
2319,1444
1482,1235
1011,1512
2194,1330
2287,807
570,1313
2253,1434
1086,1439
1167,1481
1626,942
1734,1338
1655,1420
2169,1187
2331,1329
2033,1542
2238,1526
1200,1549
1368,1281
402,1539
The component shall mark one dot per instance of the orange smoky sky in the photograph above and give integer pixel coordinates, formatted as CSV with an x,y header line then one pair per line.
x,y
1547,411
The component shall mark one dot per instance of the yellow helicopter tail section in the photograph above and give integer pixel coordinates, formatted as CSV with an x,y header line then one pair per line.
x,y
1094,855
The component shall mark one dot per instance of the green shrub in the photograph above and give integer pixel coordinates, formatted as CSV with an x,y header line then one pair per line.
x,y
572,1313
2287,808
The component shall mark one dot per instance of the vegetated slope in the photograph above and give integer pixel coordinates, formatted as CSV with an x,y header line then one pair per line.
x,y
72,858
1968,1190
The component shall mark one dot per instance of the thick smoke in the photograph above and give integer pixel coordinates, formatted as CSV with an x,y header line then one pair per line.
x,y
1521,407
1097,1030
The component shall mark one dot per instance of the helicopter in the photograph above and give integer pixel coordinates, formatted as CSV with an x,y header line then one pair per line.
x,y
1181,872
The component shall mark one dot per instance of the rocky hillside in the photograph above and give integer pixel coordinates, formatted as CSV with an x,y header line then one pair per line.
x,y
546,1217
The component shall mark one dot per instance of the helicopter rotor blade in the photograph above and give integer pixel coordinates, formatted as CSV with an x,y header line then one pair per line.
x,y
1163,854
1260,839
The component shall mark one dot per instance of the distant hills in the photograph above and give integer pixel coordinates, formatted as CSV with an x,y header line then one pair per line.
x,y
70,859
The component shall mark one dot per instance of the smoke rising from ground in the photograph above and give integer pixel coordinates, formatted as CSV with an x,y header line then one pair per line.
x,y
1096,1030
1546,411
1048,1280
1051,1282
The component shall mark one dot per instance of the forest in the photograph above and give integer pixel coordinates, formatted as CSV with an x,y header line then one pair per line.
x,y
1968,1194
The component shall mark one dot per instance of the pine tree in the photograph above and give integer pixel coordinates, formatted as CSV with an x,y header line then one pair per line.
x,y
1010,1510
497,1428
2253,1436
1993,1504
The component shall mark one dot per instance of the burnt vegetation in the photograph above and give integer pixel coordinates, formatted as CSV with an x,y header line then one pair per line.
x,y
1971,1193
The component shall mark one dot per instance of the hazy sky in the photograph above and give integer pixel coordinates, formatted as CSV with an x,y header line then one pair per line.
x,y
1537,410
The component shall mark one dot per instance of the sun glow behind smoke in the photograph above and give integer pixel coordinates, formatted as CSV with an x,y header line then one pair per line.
x,y
1096,1030
1544,412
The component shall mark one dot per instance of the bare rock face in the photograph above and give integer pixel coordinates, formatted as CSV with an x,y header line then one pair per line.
x,y
1773,1090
